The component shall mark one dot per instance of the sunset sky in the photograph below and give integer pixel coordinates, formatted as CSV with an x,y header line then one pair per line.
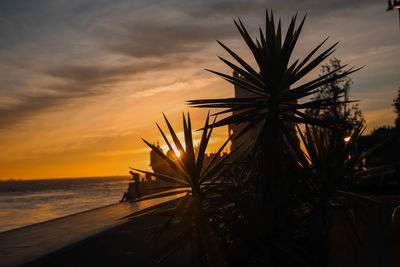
x,y
82,80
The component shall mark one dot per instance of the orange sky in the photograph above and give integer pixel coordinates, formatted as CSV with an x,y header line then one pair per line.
x,y
82,82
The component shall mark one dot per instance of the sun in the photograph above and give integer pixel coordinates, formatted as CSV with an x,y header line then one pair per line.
x,y
165,149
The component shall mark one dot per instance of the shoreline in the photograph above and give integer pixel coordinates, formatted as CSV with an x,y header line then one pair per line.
x,y
24,203
12,179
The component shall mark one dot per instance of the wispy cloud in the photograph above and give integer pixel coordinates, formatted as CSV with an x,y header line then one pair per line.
x,y
181,30
113,153
75,82
154,38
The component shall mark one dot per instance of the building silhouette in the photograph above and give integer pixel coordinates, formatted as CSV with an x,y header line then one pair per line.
x,y
235,129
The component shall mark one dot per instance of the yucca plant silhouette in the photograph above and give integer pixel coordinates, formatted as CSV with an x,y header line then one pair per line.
x,y
273,106
189,217
273,102
328,166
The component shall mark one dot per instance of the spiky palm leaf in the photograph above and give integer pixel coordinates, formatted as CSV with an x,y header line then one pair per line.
x,y
332,163
328,165
273,108
189,217
273,101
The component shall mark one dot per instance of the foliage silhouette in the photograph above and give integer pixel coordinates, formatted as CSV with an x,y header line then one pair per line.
x,y
189,217
328,166
339,113
262,207
396,105
274,103
275,109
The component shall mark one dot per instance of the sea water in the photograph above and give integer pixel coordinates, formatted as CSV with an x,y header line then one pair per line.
x,y
32,201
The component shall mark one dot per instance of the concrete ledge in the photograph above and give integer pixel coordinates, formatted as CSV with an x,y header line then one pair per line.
x,y
29,243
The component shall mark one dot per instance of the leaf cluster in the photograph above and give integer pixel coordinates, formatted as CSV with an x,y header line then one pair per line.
x,y
274,99
189,218
267,204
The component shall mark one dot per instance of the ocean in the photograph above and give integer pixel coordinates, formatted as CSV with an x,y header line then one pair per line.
x,y
32,201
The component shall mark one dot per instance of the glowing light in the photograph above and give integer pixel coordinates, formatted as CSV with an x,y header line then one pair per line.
x,y
347,139
165,149
177,153
395,4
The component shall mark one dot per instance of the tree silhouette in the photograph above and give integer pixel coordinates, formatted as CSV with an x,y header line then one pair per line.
x,y
396,105
338,91
389,129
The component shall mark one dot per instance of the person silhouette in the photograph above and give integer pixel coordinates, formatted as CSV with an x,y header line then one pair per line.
x,y
131,194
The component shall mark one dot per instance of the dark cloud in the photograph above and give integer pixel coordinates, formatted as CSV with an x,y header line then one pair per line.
x,y
217,10
257,7
158,39
196,24
157,35
78,82
28,106
94,74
